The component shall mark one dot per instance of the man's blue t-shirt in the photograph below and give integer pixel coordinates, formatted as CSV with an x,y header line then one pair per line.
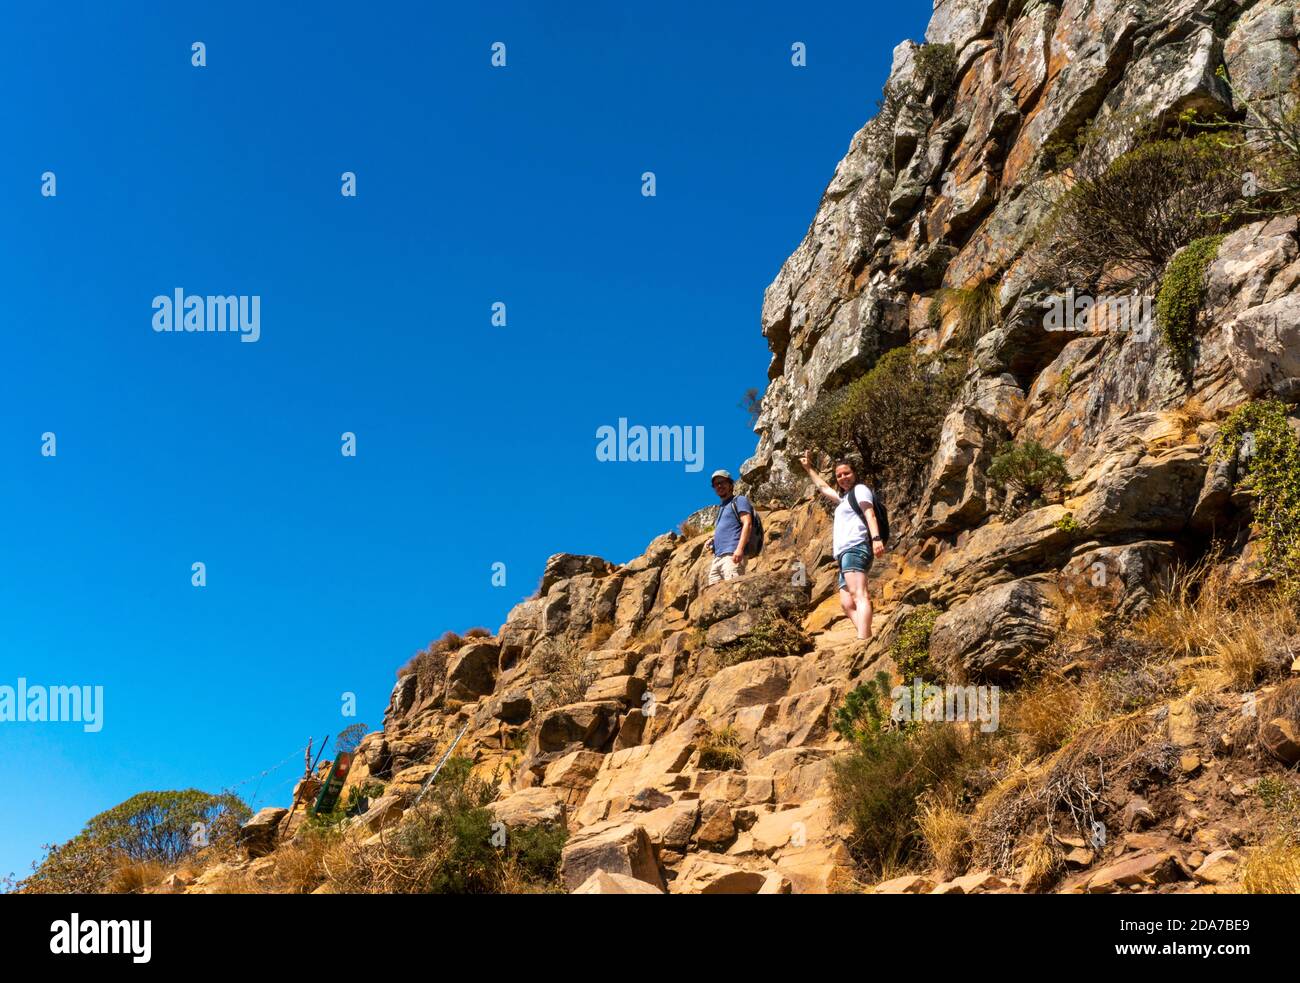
x,y
726,533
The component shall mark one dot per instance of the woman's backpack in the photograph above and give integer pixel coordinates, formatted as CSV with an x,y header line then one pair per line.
x,y
878,504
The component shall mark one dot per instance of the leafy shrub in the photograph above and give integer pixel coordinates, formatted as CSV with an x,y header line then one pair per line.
x,y
911,648
1068,523
877,786
1271,470
774,636
566,675
1027,471
936,67
446,845
148,828
1182,292
1118,230
891,416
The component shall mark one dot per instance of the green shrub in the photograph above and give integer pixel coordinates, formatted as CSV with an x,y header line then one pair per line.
x,y
1027,471
876,786
936,67
1182,292
1271,470
774,636
1067,523
891,416
911,648
150,827
1119,229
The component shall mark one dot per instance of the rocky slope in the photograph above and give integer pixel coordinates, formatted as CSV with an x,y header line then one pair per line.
x,y
943,189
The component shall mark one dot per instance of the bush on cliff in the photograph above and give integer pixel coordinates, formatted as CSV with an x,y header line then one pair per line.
x,y
149,829
891,416
1269,466
1117,230
1029,473
449,845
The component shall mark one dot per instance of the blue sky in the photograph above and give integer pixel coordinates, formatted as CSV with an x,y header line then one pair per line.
x,y
475,443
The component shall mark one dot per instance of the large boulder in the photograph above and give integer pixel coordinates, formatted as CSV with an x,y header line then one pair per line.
x,y
259,835
614,847
775,590
529,807
991,635
472,670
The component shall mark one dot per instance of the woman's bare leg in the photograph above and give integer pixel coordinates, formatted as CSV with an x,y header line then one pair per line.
x,y
857,590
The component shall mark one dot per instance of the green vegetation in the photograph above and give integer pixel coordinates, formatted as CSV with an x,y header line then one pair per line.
x,y
891,416
911,648
1182,292
149,828
1270,468
1118,229
1067,523
774,636
877,787
936,67
1028,472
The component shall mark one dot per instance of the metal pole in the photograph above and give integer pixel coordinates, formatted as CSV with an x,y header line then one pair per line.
x,y
434,774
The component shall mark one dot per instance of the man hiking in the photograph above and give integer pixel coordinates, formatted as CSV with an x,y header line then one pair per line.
x,y
856,539
731,532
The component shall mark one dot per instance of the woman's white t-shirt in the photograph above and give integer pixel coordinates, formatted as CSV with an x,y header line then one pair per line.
x,y
849,529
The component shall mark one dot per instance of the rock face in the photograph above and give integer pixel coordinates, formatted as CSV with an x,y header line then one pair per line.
x,y
609,702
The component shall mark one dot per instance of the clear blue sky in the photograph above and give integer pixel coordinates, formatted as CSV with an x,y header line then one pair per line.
x,y
476,444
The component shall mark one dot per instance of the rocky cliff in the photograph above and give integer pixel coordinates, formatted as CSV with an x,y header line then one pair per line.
x,y
686,736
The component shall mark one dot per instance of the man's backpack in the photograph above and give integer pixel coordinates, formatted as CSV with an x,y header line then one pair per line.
x,y
882,514
755,544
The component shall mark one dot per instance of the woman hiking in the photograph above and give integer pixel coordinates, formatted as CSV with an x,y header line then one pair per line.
x,y
856,540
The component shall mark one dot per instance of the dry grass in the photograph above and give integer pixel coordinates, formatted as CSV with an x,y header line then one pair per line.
x,y
1041,862
946,832
134,876
566,675
720,750
1205,618
1273,868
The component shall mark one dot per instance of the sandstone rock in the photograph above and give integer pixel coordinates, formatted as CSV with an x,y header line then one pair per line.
x,y
991,635
622,848
751,591
1219,867
716,828
529,807
603,882
1143,869
907,884
706,873
1280,737
625,689
589,724
471,671
258,835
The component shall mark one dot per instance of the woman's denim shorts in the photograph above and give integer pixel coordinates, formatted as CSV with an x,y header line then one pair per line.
x,y
858,558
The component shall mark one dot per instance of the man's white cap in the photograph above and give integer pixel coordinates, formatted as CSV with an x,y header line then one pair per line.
x,y
720,473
